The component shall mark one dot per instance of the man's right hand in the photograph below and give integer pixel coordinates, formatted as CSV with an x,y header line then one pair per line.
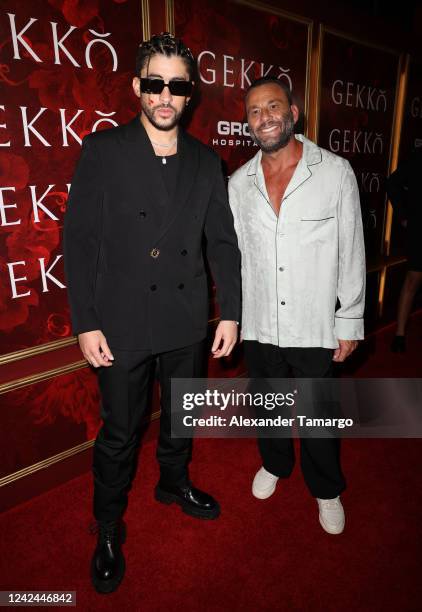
x,y
95,348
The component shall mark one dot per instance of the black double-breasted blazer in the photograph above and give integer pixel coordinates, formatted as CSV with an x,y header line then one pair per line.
x,y
139,277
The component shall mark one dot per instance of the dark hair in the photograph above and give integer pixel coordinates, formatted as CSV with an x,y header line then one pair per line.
x,y
266,80
167,45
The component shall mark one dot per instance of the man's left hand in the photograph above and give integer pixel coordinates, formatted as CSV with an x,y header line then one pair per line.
x,y
344,350
225,333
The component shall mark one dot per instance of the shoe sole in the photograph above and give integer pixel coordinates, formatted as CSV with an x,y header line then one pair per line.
x,y
108,586
329,530
170,498
259,495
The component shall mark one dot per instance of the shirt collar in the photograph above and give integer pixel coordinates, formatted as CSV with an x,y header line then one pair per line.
x,y
311,155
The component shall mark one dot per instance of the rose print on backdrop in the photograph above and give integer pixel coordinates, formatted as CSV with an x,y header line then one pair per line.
x,y
46,418
235,44
66,68
72,396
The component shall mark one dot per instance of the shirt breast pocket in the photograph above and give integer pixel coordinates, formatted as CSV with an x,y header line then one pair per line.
x,y
317,228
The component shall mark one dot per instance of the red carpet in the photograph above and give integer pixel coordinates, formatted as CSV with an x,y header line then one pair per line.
x,y
259,555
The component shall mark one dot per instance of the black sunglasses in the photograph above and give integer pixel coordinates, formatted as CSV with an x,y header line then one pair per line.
x,y
156,86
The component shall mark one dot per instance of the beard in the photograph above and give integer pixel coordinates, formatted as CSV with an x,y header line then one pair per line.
x,y
161,124
287,127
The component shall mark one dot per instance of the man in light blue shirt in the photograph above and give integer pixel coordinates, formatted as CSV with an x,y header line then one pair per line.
x,y
298,220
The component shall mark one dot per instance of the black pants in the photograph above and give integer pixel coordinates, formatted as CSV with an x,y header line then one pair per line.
x,y
320,457
126,392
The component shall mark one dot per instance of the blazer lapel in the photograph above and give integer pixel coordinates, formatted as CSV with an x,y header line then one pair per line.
x,y
188,153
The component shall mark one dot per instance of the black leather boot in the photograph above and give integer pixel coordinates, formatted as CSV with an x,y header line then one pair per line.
x,y
108,563
192,501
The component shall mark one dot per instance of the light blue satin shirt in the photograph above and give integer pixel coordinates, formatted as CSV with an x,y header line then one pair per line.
x,y
297,264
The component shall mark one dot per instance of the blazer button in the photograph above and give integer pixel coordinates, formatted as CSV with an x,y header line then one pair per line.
x,y
142,214
155,253
153,287
184,252
181,286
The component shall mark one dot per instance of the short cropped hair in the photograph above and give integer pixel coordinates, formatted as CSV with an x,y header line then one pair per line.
x,y
268,79
165,44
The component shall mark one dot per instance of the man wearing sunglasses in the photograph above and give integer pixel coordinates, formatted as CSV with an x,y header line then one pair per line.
x,y
143,197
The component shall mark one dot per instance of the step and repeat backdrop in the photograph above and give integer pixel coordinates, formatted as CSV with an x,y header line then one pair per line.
x,y
235,44
66,69
358,95
358,91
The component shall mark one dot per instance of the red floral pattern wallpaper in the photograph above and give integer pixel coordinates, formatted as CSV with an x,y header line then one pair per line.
x,y
65,70
235,44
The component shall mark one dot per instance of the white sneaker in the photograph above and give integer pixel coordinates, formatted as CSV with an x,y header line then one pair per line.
x,y
331,515
264,484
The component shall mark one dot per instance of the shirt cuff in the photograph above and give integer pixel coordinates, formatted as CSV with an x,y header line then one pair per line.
x,y
349,329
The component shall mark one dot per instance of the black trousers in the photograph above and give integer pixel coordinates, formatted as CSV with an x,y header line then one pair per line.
x,y
320,457
126,394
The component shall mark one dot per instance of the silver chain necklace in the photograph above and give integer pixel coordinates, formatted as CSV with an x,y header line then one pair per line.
x,y
165,146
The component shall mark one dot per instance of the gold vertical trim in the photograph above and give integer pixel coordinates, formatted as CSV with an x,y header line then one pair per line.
x,y
146,21
170,27
313,77
319,79
395,135
382,246
381,291
308,78
394,156
402,79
